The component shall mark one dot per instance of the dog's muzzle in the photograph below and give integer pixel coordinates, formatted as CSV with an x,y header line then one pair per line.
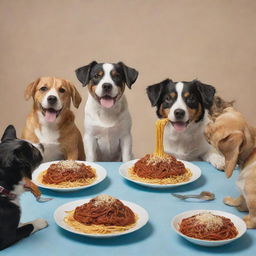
x,y
50,114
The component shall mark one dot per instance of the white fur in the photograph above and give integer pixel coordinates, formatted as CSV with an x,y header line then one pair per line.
x,y
38,224
52,92
107,67
107,131
179,104
18,190
48,135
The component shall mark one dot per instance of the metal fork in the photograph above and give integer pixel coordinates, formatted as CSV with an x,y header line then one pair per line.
x,y
43,199
204,195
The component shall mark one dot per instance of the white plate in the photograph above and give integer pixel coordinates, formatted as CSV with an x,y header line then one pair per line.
x,y
100,172
196,173
60,214
239,224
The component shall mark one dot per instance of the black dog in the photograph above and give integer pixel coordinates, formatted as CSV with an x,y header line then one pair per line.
x,y
18,158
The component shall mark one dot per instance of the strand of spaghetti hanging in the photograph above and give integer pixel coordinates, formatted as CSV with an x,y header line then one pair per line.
x,y
159,147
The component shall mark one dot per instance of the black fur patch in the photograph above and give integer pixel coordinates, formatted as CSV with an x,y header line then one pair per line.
x,y
121,74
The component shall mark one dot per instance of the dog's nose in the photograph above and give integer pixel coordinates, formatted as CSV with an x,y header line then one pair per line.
x,y
179,113
52,99
107,87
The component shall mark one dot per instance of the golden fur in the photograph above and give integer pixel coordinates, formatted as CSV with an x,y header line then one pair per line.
x,y
236,140
70,138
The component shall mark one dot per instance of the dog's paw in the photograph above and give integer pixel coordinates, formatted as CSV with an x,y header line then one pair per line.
x,y
127,158
242,208
229,201
218,161
249,223
39,224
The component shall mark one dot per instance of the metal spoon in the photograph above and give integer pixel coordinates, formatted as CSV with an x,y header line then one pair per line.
x,y
204,195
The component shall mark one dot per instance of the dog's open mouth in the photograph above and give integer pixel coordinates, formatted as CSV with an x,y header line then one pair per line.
x,y
107,101
180,126
50,114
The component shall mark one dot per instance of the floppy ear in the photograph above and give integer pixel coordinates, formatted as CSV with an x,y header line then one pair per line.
x,y
130,74
31,89
75,95
230,148
9,133
83,73
207,93
155,91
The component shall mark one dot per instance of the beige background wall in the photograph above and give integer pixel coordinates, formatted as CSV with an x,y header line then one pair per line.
x,y
212,40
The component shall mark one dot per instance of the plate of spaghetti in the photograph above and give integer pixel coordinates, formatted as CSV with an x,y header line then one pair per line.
x,y
208,227
68,175
162,174
159,169
102,216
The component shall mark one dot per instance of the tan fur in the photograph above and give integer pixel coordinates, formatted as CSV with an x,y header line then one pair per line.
x,y
70,138
236,140
195,113
164,112
173,94
186,94
218,107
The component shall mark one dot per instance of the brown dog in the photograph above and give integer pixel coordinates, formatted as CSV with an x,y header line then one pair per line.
x,y
236,140
51,121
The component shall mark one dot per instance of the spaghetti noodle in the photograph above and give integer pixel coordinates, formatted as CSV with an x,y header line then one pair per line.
x,y
66,174
159,148
101,215
207,226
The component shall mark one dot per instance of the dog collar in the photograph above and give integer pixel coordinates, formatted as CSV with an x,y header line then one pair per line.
x,y
7,193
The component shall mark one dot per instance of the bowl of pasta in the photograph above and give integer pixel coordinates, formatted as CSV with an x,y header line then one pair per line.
x,y
208,227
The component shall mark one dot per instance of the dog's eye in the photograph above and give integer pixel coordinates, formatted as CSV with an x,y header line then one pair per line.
x,y
62,90
191,99
97,76
116,75
168,99
43,89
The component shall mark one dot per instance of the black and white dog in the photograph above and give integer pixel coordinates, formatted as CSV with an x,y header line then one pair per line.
x,y
186,105
18,158
107,118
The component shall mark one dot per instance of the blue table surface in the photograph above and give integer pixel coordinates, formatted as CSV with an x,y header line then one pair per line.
x,y
155,238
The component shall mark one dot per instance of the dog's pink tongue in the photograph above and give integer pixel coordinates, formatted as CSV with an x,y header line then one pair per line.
x,y
50,116
106,102
179,126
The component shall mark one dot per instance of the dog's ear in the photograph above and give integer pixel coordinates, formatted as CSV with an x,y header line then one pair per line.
x,y
75,95
83,73
230,146
155,92
9,133
207,93
130,74
31,89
